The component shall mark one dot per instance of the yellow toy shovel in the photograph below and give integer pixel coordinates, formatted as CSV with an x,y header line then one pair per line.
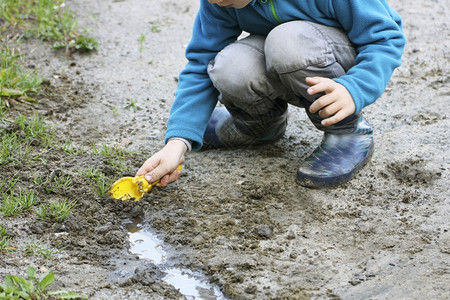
x,y
132,188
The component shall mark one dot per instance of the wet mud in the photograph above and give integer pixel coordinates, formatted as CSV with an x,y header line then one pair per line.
x,y
238,218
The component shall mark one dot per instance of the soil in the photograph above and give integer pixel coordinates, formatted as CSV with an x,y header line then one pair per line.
x,y
238,217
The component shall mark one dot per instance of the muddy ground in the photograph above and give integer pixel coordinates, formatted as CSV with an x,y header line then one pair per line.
x,y
238,217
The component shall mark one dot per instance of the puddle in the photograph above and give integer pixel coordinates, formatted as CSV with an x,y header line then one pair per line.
x,y
146,245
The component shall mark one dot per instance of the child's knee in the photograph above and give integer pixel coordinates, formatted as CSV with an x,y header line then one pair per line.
x,y
236,68
295,46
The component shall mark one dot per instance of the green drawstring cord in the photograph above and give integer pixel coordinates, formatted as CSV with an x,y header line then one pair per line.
x,y
272,9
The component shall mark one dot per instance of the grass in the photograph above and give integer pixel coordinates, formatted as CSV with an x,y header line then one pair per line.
x,y
35,129
70,149
11,149
16,203
111,152
115,155
48,20
7,186
46,250
155,28
55,211
15,81
99,182
4,240
133,105
32,287
141,46
52,182
17,143
26,143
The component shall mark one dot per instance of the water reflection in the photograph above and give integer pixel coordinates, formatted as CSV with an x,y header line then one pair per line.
x,y
146,245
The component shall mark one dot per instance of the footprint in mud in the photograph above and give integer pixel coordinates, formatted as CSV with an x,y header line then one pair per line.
x,y
413,171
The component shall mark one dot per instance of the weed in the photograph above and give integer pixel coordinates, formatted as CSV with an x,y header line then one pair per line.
x,y
35,129
49,20
4,240
47,250
31,249
3,110
98,181
70,149
51,182
111,152
155,28
12,148
3,230
82,43
91,173
115,156
141,43
56,210
4,243
133,106
16,287
118,164
14,204
7,186
16,144
15,81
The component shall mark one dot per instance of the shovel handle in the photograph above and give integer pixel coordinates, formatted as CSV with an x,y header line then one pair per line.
x,y
145,186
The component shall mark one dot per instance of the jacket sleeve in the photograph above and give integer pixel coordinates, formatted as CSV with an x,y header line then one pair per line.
x,y
196,97
376,31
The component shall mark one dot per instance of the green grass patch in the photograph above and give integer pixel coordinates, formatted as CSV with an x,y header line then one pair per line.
x,y
49,20
4,240
99,182
133,105
70,149
110,152
46,250
55,211
115,156
51,182
13,149
6,186
35,129
32,287
16,82
16,203
20,137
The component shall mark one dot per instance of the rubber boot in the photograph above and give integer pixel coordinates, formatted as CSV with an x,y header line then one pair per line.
x,y
224,131
339,156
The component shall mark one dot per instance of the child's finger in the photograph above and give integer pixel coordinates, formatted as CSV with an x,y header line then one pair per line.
x,y
339,116
321,103
148,166
319,85
169,178
329,110
157,173
312,80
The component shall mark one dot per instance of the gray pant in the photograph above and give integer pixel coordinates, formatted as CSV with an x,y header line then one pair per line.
x,y
258,75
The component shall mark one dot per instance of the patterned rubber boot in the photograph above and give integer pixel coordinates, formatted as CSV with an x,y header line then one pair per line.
x,y
338,158
223,131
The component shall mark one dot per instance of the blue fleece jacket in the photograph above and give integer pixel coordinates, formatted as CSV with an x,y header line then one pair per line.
x,y
372,26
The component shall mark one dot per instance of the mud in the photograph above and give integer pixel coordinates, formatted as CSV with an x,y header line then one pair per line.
x,y
238,217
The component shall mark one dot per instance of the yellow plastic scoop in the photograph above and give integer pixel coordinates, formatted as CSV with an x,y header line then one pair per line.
x,y
132,188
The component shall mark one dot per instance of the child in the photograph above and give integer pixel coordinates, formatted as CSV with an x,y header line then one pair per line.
x,y
331,57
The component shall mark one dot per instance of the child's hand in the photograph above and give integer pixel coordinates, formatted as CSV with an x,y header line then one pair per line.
x,y
335,105
163,164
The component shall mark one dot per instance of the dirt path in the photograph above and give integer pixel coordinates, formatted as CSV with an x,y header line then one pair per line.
x,y
239,217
